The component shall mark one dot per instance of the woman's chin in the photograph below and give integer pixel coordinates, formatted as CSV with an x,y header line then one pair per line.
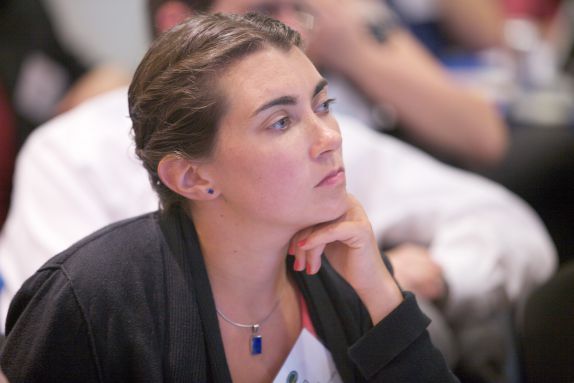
x,y
334,208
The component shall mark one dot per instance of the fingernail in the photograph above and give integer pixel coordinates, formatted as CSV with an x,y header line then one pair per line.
x,y
309,271
298,266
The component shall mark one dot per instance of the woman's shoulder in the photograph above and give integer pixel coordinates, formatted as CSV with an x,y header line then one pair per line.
x,y
112,243
101,296
124,253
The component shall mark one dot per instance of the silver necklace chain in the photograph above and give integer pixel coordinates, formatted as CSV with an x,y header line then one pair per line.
x,y
255,340
251,326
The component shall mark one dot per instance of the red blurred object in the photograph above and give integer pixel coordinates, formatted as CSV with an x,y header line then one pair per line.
x,y
7,154
535,9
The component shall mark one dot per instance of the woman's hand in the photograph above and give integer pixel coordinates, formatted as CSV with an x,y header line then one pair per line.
x,y
350,246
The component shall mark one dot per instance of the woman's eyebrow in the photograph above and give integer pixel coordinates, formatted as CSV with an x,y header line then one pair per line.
x,y
283,100
290,100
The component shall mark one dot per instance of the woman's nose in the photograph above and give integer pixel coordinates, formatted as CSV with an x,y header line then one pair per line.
x,y
326,136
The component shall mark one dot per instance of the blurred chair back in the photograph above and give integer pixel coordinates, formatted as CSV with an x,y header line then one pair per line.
x,y
547,337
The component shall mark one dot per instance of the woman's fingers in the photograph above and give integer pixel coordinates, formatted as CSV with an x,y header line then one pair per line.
x,y
308,259
313,257
299,254
349,233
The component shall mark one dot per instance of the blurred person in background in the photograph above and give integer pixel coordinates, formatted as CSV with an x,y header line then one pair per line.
x,y
518,57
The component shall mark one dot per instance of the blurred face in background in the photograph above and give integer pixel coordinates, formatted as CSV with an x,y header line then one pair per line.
x,y
169,14
294,13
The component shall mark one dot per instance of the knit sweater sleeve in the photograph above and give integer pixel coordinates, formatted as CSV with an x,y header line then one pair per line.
x,y
48,338
398,349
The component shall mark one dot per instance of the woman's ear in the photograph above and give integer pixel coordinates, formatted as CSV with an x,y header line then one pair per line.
x,y
182,176
169,14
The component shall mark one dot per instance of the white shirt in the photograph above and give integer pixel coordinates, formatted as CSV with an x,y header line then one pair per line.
x,y
79,172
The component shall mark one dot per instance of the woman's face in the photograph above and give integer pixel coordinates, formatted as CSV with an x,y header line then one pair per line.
x,y
278,155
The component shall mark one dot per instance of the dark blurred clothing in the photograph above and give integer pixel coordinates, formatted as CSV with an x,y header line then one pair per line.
x,y
427,31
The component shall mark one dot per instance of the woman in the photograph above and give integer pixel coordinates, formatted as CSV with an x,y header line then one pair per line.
x,y
232,122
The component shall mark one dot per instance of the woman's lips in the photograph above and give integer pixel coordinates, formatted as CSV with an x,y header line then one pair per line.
x,y
333,178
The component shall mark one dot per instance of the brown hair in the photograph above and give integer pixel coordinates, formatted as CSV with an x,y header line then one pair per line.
x,y
174,101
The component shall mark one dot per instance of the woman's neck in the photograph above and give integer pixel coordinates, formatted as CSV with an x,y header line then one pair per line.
x,y
247,271
245,263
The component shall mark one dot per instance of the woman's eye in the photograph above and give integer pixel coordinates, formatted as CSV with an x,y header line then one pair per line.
x,y
281,124
325,107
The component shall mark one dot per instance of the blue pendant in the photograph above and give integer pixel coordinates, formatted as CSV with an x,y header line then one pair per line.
x,y
256,345
256,342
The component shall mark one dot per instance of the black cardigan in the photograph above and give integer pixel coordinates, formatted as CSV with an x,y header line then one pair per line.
x,y
132,302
